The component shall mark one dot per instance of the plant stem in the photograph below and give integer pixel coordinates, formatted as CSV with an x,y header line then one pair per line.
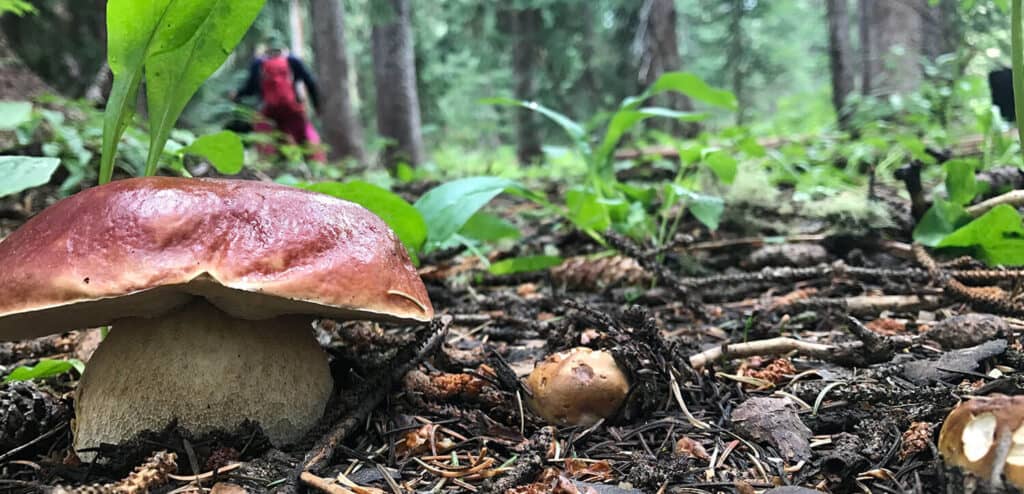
x,y
1017,46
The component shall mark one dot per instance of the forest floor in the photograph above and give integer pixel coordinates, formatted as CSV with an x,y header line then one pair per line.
x,y
827,362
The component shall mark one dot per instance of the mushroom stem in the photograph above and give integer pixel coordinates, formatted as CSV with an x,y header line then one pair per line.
x,y
208,371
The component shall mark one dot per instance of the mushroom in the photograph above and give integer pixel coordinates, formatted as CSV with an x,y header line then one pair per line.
x,y
577,387
985,436
210,288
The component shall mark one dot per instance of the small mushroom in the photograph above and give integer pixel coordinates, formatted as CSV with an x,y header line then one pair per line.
x,y
985,436
577,387
210,288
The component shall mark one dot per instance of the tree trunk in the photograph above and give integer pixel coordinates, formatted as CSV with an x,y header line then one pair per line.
x,y
17,81
894,46
940,32
735,58
864,35
297,29
525,50
659,47
394,72
840,57
341,129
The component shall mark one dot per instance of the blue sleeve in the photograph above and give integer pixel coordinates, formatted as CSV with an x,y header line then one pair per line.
x,y
252,83
302,74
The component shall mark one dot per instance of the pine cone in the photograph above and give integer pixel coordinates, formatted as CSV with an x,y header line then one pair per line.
x,y
153,473
26,413
583,273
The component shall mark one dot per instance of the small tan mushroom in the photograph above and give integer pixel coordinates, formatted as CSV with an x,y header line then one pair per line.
x,y
985,436
577,387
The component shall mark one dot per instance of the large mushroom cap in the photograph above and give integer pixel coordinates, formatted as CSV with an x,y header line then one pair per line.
x,y
141,247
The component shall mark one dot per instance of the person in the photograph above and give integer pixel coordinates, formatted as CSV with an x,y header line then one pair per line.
x,y
275,77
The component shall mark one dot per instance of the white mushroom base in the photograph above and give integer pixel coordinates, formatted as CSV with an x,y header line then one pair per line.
x,y
208,371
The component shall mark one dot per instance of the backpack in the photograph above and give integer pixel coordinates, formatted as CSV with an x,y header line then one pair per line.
x,y
277,85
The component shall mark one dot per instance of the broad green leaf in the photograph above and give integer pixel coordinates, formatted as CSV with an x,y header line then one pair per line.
x,y
135,29
940,220
998,235
175,73
24,172
14,113
447,207
624,120
960,181
707,209
723,164
223,150
487,227
694,87
587,211
405,220
574,130
524,264
44,369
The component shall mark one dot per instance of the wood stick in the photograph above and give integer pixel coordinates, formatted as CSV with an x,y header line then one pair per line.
x,y
323,484
770,346
1014,198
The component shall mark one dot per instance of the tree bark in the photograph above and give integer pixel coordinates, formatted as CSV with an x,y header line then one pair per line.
x,y
341,128
394,72
297,29
525,50
894,46
840,57
659,48
864,35
940,32
735,58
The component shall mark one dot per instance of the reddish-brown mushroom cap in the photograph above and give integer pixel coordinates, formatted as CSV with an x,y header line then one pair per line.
x,y
140,247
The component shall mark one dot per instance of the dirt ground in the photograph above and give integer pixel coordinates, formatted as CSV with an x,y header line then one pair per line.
x,y
827,362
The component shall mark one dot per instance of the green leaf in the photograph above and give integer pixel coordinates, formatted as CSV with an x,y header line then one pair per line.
x,y
405,220
694,87
14,114
997,234
587,211
723,164
960,181
624,120
135,30
707,209
940,220
223,150
44,369
174,72
574,130
447,207
24,172
487,227
524,264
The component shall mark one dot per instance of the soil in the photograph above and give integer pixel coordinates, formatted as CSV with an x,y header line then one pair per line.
x,y
442,408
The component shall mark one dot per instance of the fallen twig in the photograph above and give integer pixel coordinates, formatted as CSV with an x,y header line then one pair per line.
x,y
869,304
870,349
323,484
1013,198
770,346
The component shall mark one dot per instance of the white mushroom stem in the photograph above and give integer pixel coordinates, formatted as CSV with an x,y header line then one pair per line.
x,y
208,371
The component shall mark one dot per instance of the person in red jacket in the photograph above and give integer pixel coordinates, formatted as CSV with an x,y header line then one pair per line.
x,y
275,77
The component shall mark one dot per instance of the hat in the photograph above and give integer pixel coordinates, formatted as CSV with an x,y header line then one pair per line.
x,y
276,42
